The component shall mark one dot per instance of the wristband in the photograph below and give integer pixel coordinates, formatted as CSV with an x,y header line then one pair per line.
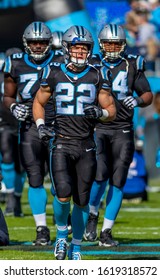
x,y
39,122
140,101
105,115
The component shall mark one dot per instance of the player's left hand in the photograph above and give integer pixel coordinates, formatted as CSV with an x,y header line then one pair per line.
x,y
45,133
130,102
19,111
93,112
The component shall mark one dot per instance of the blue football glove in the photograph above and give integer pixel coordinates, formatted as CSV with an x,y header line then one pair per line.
x,y
93,112
45,132
19,111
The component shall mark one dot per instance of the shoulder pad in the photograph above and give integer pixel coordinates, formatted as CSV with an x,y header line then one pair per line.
x,y
58,58
17,56
95,55
138,60
95,60
54,63
59,52
106,73
45,72
140,63
131,56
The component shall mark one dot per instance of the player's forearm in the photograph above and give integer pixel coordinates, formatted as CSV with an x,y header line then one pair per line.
x,y
10,91
8,101
107,103
147,99
38,112
112,112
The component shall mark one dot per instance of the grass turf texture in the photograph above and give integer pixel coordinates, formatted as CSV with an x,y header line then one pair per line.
x,y
137,229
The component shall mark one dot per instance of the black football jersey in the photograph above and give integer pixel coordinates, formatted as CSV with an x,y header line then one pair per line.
x,y
26,74
72,91
128,78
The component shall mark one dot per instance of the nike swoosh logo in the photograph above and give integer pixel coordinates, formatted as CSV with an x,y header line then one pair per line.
x,y
88,150
126,131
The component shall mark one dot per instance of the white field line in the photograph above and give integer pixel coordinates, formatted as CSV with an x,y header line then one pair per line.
x,y
125,209
52,229
140,209
130,229
139,228
136,232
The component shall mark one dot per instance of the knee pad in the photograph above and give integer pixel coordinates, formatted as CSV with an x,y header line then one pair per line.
x,y
81,200
35,180
120,176
63,189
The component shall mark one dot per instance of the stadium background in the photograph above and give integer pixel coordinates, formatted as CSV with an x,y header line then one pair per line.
x,y
15,15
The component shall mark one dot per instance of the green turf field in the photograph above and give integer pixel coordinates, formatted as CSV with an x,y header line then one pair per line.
x,y
137,229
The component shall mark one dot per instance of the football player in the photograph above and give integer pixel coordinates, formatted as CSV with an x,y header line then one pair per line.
x,y
57,46
77,89
12,171
21,76
57,41
115,140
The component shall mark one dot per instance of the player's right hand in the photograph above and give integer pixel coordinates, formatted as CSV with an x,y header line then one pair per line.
x,y
19,111
93,112
45,132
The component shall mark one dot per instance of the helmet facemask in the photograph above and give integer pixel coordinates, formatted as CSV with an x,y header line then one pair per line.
x,y
69,58
79,62
112,50
77,35
33,54
112,41
37,32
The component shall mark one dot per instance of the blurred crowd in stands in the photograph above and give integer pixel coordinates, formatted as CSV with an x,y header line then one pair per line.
x,y
142,25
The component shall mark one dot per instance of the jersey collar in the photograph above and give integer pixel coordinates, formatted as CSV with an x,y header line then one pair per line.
x,y
75,75
38,66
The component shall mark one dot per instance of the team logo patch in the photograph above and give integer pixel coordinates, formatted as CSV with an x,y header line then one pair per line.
x,y
75,40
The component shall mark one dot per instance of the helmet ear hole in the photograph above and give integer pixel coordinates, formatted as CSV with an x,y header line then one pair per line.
x,y
37,31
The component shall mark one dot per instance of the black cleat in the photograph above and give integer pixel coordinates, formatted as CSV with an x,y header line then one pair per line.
x,y
43,236
60,250
106,239
2,198
10,202
17,207
90,233
8,212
